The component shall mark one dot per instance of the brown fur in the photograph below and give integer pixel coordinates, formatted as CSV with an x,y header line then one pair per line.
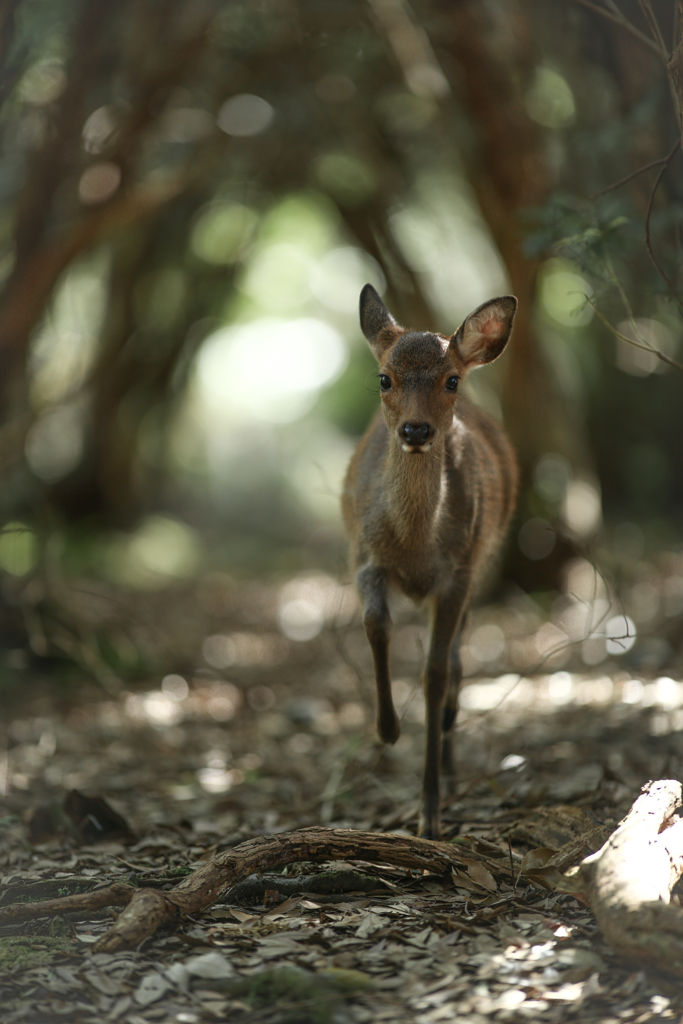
x,y
427,500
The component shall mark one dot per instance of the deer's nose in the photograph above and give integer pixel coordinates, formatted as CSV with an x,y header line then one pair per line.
x,y
416,434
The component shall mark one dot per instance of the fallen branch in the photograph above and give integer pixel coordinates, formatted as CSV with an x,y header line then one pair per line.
x,y
628,883
149,909
115,895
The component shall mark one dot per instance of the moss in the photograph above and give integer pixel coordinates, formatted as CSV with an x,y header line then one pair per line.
x,y
302,996
25,951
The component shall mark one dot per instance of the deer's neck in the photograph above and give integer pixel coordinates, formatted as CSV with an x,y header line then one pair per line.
x,y
415,485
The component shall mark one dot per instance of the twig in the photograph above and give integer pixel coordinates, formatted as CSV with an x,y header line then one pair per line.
x,y
632,341
648,242
651,19
629,177
622,22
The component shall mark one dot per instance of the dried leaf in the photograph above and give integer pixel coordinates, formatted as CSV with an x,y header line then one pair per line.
x,y
210,965
284,907
482,876
464,881
152,987
371,923
535,859
243,918
107,986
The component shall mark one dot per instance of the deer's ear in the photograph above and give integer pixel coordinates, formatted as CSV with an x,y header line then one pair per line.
x,y
484,334
376,322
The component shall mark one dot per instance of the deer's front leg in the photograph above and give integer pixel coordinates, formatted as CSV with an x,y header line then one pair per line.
x,y
447,614
372,586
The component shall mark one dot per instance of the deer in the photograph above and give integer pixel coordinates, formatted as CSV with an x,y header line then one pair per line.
x,y
426,503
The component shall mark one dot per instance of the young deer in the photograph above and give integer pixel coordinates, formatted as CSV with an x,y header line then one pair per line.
x,y
427,500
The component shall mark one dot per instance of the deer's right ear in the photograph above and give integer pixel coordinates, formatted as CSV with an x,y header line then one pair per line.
x,y
376,322
484,334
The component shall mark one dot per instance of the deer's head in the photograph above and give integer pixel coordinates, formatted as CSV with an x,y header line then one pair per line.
x,y
419,372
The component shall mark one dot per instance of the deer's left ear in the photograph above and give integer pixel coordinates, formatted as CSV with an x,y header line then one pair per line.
x,y
484,334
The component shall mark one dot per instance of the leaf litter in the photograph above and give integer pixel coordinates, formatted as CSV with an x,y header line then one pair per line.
x,y
282,738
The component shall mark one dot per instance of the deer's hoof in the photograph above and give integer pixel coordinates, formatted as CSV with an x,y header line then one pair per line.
x,y
429,825
389,729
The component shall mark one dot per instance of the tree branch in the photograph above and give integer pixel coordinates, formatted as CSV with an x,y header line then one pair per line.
x,y
629,177
149,909
622,22
632,341
648,241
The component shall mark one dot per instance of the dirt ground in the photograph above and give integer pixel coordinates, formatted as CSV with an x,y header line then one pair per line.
x,y
255,717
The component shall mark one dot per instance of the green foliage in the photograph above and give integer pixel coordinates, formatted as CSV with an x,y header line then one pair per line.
x,y
28,951
351,402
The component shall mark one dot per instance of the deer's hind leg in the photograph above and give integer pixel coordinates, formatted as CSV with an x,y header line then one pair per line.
x,y
450,710
446,616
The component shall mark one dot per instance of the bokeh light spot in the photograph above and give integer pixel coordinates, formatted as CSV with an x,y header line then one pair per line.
x,y
222,231
338,278
551,476
175,688
582,508
99,183
536,538
54,444
636,360
245,115
620,632
269,369
563,293
18,549
550,101
300,619
487,643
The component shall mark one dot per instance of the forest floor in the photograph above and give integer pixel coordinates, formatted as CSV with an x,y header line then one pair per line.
x,y
240,729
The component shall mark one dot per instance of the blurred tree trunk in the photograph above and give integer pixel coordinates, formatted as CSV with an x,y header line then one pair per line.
x,y
52,227
493,62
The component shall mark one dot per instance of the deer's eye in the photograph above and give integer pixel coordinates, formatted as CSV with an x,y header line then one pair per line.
x,y
452,384
384,382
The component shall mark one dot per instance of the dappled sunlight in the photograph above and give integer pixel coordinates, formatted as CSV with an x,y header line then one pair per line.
x,y
43,81
161,549
65,348
222,231
635,359
269,369
338,277
563,293
245,649
444,238
99,182
245,114
54,444
277,277
18,548
550,101
582,507
310,601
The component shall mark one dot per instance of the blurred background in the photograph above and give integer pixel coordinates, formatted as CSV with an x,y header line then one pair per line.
x,y
192,195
